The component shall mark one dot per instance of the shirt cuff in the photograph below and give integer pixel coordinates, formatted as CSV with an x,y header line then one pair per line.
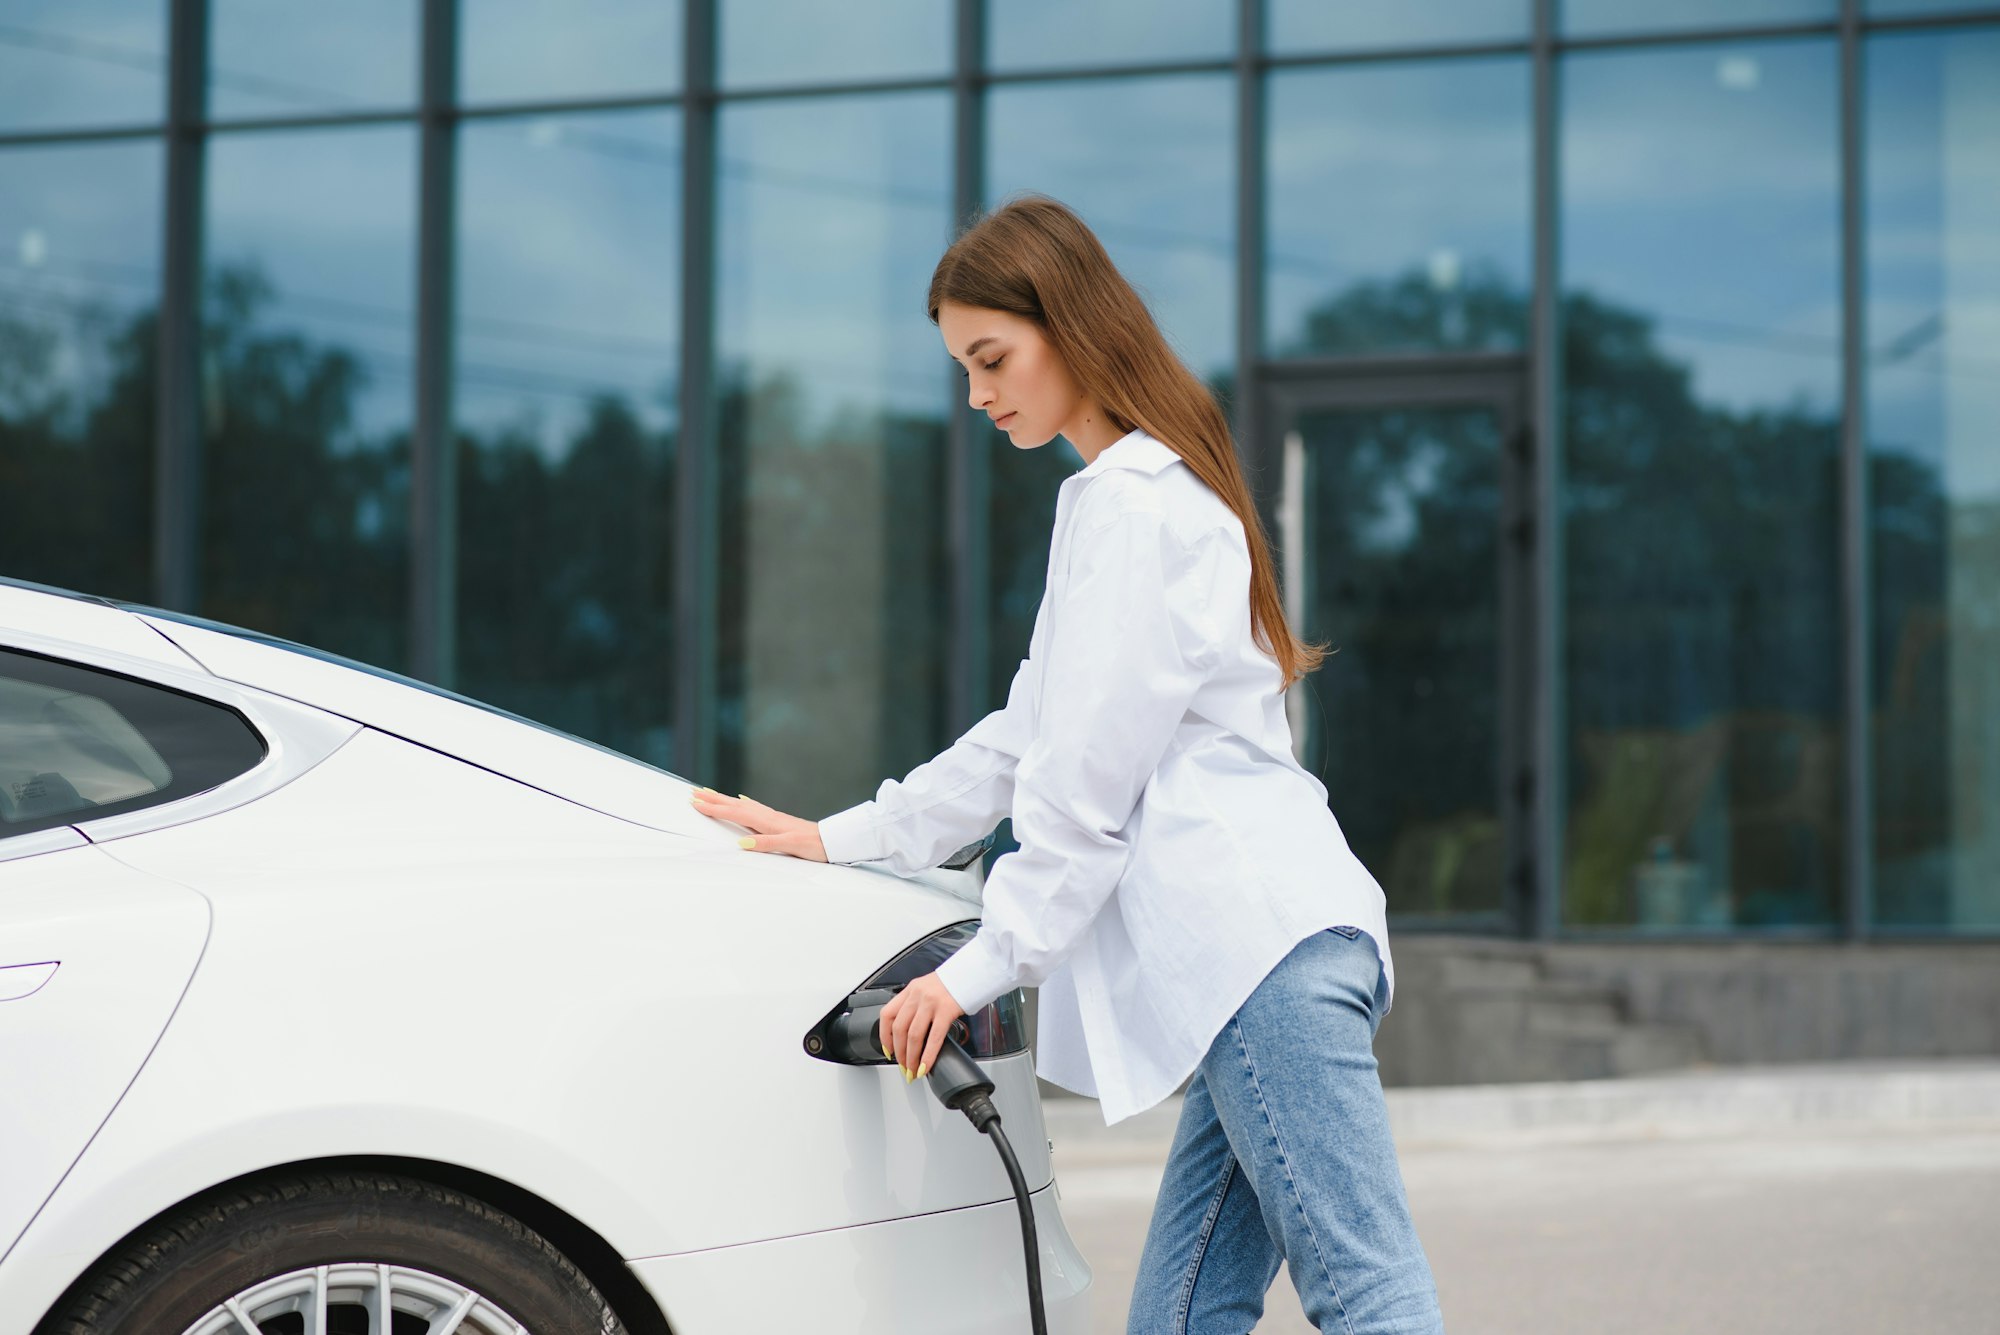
x,y
975,975
851,835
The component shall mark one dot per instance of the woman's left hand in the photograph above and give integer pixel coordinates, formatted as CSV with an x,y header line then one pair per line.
x,y
916,1023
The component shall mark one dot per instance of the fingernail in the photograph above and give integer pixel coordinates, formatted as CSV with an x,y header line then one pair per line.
x,y
744,796
921,1068
907,1077
746,842
704,790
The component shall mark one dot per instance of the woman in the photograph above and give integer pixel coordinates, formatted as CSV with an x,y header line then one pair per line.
x,y
1182,895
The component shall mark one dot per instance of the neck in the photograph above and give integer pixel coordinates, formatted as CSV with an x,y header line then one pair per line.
x,y
1092,432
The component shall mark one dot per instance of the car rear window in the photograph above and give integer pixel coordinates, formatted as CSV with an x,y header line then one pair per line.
x,y
77,743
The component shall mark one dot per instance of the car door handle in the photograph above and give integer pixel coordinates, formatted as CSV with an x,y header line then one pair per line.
x,y
24,980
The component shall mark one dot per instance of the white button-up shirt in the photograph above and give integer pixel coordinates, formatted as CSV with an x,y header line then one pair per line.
x,y
1172,849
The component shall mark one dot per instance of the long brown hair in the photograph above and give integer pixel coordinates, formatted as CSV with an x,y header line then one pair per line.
x,y
1034,258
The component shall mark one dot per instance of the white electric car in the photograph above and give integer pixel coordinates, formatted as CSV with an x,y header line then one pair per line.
x,y
335,1004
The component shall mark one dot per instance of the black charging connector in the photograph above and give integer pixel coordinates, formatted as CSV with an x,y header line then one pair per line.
x,y
961,1085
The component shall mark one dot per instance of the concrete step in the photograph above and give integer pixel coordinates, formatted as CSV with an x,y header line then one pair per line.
x,y
1559,1056
1657,1047
1764,1100
1479,972
1588,1010
1705,1100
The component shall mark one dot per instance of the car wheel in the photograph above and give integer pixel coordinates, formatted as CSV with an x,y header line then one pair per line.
x,y
336,1253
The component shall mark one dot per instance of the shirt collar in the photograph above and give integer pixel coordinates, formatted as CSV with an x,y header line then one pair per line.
x,y
1135,449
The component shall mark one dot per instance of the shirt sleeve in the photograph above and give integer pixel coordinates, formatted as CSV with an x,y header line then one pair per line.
x,y
942,805
1129,647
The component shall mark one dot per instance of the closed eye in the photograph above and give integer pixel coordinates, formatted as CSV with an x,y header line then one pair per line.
x,y
993,365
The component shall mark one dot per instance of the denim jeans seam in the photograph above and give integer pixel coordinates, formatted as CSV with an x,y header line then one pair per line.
x,y
1201,1250
1285,1164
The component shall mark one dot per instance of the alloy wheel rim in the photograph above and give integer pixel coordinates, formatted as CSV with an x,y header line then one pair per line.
x,y
383,1292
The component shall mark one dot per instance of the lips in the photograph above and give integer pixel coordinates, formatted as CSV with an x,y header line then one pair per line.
x,y
1002,421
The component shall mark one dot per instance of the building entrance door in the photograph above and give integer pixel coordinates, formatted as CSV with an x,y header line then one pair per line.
x,y
1402,507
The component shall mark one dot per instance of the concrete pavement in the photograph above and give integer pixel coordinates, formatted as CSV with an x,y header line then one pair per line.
x,y
1860,1196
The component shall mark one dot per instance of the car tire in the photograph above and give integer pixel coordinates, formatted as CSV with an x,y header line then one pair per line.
x,y
277,1246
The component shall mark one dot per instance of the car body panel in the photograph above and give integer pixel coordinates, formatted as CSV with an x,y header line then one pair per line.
x,y
433,931
466,969
94,956
601,780
41,841
956,1273
80,619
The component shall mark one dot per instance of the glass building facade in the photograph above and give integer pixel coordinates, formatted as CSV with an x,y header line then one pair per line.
x,y
1620,383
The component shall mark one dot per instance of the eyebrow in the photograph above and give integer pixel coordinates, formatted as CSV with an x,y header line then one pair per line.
x,y
979,343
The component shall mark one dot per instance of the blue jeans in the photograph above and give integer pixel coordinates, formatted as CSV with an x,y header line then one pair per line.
x,y
1283,1152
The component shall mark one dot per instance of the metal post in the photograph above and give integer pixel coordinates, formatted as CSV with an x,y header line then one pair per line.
x,y
1857,852
433,455
968,481
696,567
1250,451
177,440
1546,794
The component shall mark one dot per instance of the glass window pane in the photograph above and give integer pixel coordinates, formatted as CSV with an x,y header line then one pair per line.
x,y
1911,8
568,343
1048,34
1370,25
308,283
1398,551
1149,164
798,41
69,64
530,50
280,58
79,288
1701,309
1933,393
1604,18
1397,207
832,394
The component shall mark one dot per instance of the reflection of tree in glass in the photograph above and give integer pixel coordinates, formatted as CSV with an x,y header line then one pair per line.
x,y
304,530
1922,543
1478,310
76,446
832,661
1402,508
1703,635
566,590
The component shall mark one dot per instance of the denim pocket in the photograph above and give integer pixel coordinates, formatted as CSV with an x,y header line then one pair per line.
x,y
1349,932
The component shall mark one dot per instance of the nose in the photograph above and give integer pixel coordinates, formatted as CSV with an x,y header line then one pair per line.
x,y
975,396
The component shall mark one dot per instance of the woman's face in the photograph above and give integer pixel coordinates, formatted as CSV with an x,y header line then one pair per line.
x,y
1013,373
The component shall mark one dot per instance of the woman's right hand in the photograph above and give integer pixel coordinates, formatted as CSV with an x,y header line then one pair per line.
x,y
772,831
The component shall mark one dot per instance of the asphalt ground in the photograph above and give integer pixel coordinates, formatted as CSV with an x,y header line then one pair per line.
x,y
1849,1197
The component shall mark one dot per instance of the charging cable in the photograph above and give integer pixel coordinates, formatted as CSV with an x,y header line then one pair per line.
x,y
962,1086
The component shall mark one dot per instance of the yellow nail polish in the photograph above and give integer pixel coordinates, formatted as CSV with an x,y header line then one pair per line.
x,y
746,842
921,1068
907,1077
